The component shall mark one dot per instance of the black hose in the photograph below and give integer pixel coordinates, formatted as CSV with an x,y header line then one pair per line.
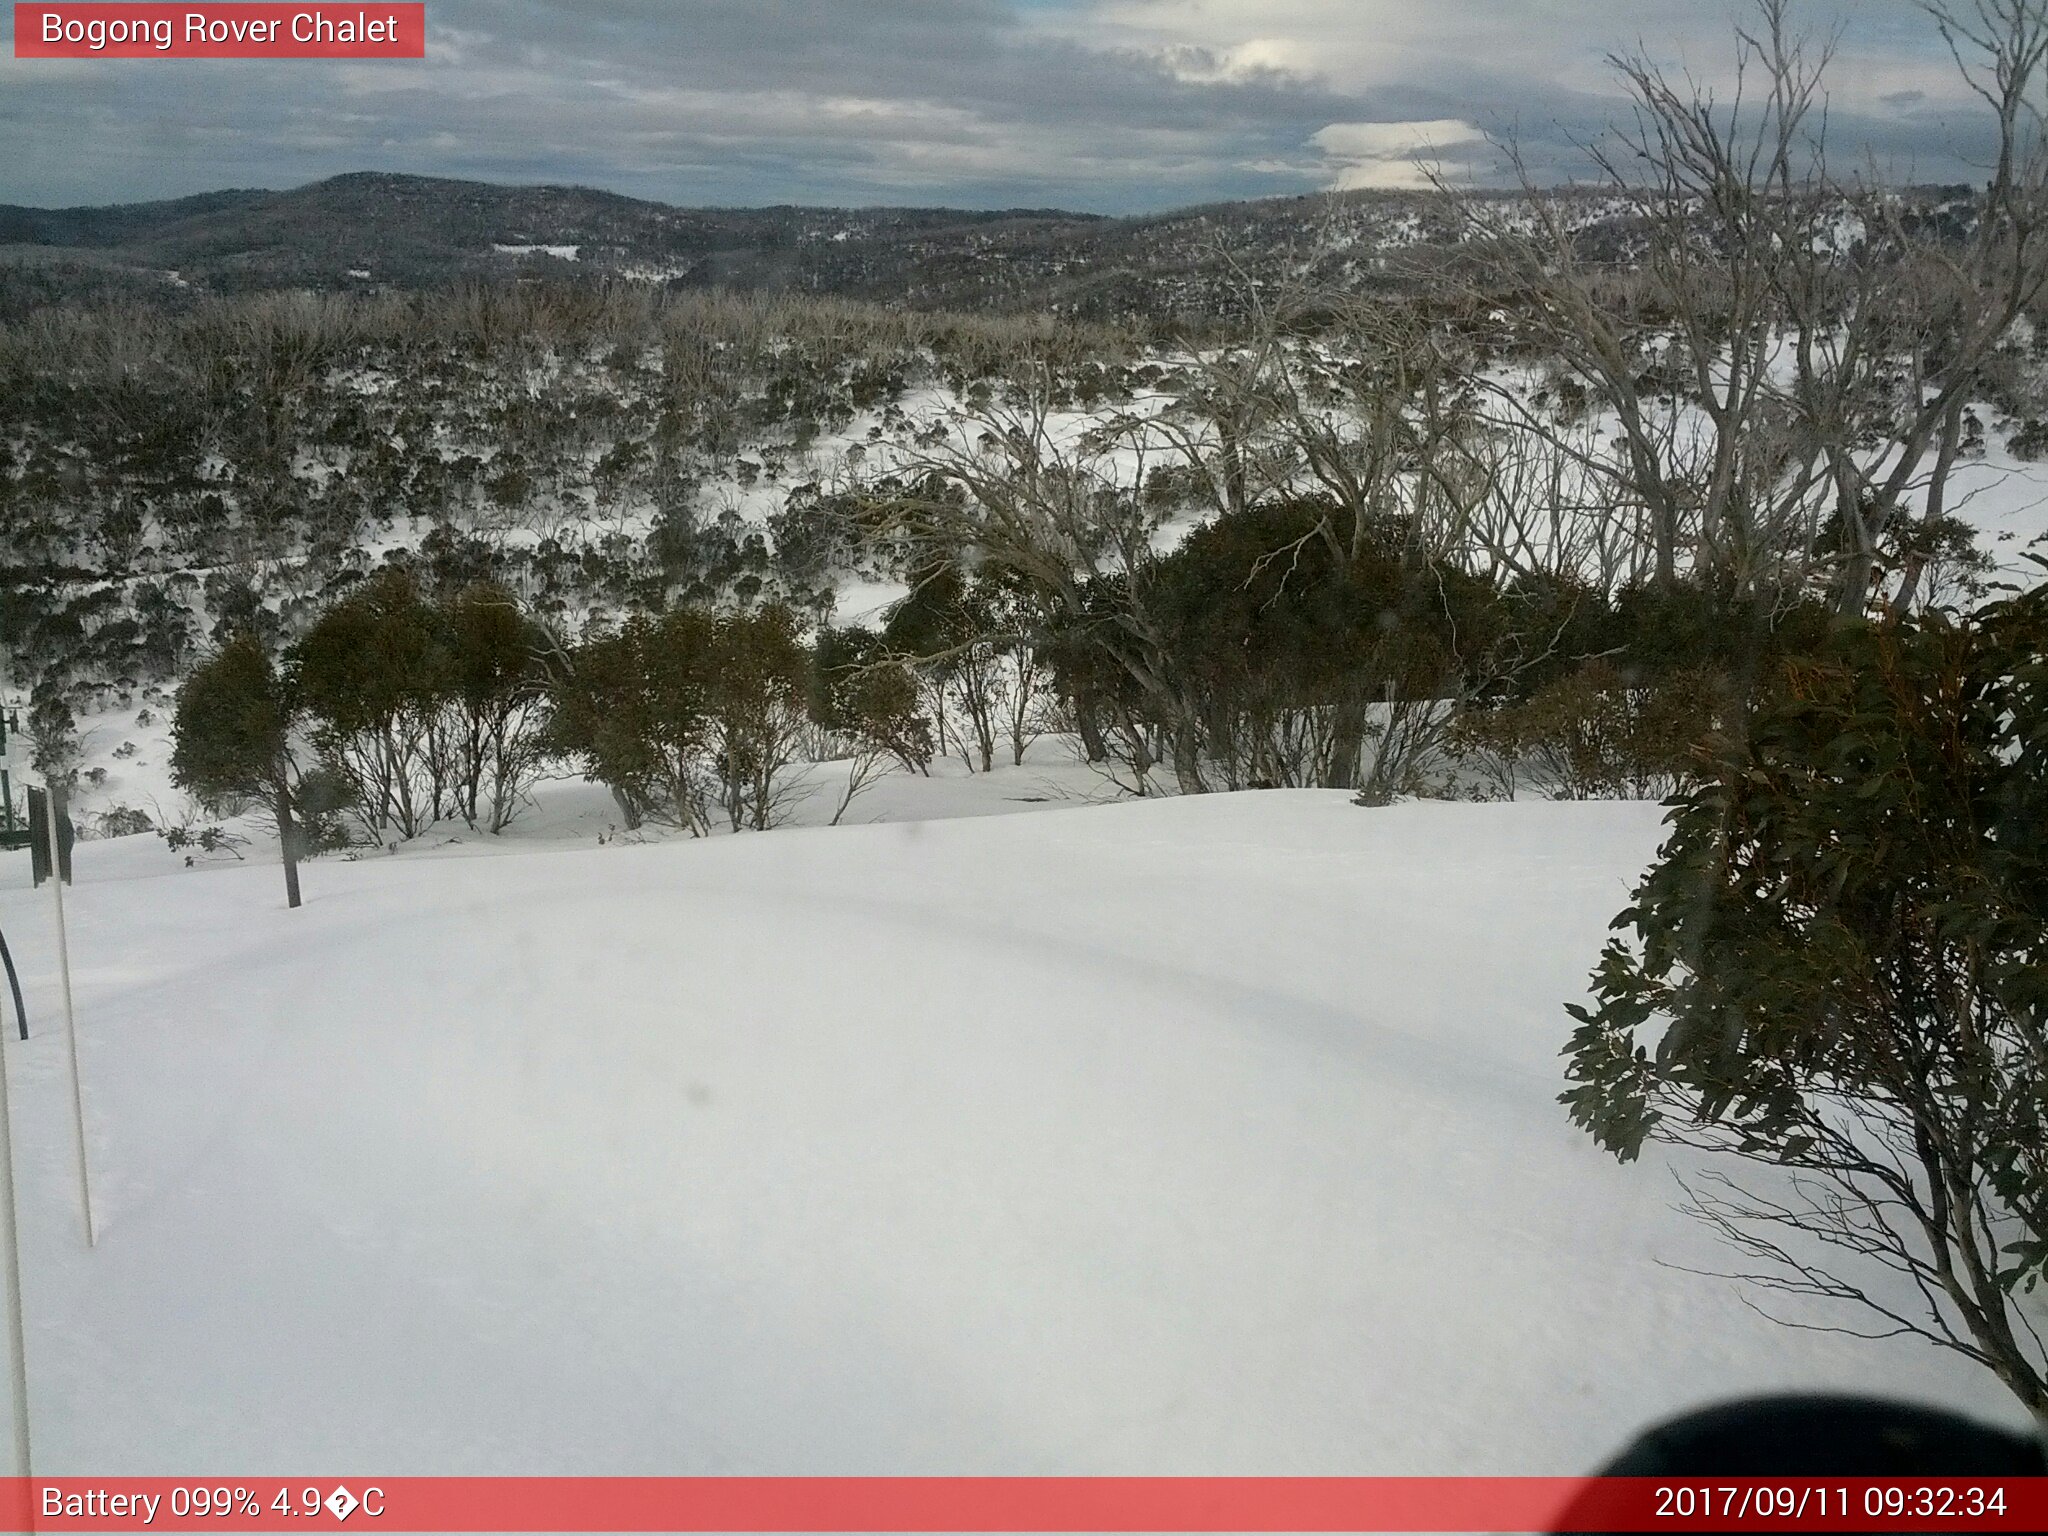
x,y
14,985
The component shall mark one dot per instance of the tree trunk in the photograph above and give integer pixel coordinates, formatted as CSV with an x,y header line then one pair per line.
x,y
288,846
1859,560
1937,496
1233,470
1852,583
1667,553
1088,727
1347,744
628,811
1187,760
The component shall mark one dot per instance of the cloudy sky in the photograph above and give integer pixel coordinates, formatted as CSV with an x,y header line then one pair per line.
x,y
1108,105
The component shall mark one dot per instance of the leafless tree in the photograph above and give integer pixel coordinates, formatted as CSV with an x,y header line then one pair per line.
x,y
1783,354
1024,493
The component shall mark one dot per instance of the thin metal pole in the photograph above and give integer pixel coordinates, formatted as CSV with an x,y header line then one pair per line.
x,y
10,1281
6,788
70,1018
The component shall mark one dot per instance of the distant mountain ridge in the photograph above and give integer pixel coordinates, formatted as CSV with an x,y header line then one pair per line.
x,y
385,230
405,231
408,230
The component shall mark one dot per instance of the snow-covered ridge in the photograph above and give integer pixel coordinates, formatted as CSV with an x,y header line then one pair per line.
x,y
564,252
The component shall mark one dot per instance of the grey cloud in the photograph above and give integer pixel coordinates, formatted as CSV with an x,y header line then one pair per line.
x,y
965,102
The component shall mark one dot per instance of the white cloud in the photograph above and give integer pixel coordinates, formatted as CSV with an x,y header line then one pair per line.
x,y
1257,56
1361,155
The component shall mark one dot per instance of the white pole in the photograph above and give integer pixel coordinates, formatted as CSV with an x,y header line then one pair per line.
x,y
70,1019
12,1338
10,1282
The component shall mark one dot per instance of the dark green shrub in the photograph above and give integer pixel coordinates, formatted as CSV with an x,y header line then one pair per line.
x,y
1839,966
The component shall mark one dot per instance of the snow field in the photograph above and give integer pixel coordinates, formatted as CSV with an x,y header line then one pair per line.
x,y
1191,1136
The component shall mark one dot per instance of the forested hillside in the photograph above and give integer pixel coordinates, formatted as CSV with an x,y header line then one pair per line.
x,y
373,232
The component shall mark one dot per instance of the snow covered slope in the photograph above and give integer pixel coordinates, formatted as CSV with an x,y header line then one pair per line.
x,y
1211,1135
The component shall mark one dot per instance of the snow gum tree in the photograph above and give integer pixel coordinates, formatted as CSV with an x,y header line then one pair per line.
x,y
231,740
759,670
1844,943
496,705
974,629
866,702
427,708
861,692
691,709
634,707
371,674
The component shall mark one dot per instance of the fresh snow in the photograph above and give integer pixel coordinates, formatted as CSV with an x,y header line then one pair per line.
x,y
1213,1135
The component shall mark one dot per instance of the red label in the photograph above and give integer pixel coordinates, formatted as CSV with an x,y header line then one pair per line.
x,y
1018,1504
360,31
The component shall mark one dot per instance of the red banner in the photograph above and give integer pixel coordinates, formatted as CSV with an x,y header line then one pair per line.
x,y
1005,1504
215,31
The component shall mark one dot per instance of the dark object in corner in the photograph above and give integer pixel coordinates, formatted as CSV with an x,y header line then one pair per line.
x,y
1824,1436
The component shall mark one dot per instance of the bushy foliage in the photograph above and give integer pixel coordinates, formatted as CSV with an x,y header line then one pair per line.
x,y
231,734
1267,649
690,712
1592,735
200,838
867,699
1839,963
973,634
1616,691
2028,440
633,706
369,676
494,703
426,709
1112,713
759,671
54,729
122,821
